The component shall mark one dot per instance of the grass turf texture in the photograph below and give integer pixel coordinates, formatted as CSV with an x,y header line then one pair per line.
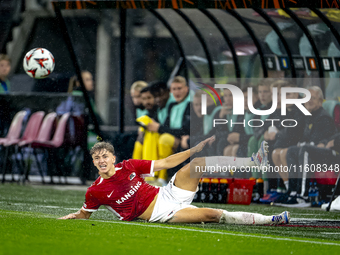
x,y
28,225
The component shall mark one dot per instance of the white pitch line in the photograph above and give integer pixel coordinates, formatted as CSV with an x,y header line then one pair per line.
x,y
221,233
198,230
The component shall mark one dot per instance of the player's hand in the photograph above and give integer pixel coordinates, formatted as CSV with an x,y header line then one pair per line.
x,y
68,217
199,147
153,126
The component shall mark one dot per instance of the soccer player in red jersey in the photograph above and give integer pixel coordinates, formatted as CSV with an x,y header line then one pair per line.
x,y
122,189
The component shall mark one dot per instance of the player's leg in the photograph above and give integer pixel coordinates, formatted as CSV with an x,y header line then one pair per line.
x,y
292,158
187,177
193,215
283,156
259,159
292,198
284,174
246,218
186,180
276,156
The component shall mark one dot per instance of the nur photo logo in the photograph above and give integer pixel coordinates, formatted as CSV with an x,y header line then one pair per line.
x,y
238,104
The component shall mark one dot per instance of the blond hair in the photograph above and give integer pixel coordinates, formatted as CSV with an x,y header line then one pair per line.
x,y
179,79
138,85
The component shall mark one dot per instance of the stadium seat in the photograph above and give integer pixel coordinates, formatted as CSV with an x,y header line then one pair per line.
x,y
15,128
43,136
30,133
58,137
44,132
31,130
13,133
57,141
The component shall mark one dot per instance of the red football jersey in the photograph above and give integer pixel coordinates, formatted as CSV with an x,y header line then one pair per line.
x,y
126,194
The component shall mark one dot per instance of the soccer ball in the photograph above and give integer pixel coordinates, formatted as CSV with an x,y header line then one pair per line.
x,y
39,63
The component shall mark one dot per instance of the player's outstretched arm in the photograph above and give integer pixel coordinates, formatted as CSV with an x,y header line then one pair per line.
x,y
180,157
81,214
199,147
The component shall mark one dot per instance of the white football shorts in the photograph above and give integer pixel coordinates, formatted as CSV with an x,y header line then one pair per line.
x,y
170,200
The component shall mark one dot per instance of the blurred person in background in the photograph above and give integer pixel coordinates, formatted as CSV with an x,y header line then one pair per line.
x,y
148,102
149,147
177,123
201,125
265,97
144,137
274,131
5,68
317,127
239,135
135,89
163,99
5,87
75,90
74,84
317,132
325,155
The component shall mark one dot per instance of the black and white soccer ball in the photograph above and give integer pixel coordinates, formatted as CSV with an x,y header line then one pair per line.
x,y
39,63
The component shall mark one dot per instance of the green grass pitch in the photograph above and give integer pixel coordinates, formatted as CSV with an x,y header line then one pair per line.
x,y
29,225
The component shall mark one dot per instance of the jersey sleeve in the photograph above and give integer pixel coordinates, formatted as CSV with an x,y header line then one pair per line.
x,y
90,204
143,167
